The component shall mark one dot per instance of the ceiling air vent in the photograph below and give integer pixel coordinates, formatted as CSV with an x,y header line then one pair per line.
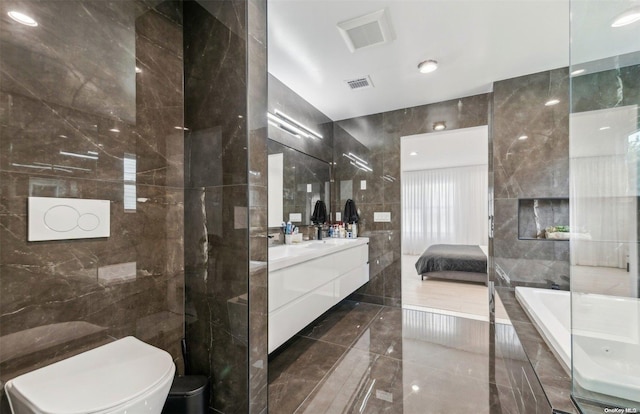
x,y
360,83
368,30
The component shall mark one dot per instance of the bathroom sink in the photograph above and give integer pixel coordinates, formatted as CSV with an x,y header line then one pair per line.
x,y
330,242
316,245
289,254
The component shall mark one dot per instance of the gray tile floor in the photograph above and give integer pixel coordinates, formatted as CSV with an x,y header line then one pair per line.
x,y
364,358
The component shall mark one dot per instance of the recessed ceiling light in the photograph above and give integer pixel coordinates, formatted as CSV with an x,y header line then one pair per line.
x,y
626,18
413,153
439,126
22,18
428,66
604,128
578,72
415,388
522,137
552,102
138,70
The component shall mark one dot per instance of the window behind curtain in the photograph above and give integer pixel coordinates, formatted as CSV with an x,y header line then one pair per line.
x,y
446,205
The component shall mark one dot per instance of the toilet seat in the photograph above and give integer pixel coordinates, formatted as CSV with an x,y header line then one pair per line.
x,y
97,381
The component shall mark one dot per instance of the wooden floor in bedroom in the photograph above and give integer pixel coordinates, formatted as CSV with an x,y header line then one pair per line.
x,y
463,299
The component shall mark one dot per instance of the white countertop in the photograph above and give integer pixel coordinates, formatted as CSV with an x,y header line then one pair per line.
x,y
291,254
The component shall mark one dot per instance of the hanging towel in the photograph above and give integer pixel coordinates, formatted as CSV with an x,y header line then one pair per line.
x,y
350,214
319,213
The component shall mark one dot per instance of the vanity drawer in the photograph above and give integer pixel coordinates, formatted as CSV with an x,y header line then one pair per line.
x,y
290,283
291,318
350,282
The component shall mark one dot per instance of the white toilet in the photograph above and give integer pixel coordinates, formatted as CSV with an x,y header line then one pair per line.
x,y
127,376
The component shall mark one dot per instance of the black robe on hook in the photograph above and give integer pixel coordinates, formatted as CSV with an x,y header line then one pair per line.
x,y
350,214
319,215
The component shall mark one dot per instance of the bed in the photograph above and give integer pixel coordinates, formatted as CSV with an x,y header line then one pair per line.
x,y
454,261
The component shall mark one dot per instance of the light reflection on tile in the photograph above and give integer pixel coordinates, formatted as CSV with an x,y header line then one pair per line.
x,y
409,361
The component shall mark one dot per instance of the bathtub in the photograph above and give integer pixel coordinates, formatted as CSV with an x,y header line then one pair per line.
x,y
606,346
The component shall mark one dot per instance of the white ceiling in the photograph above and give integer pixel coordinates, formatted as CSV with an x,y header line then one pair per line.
x,y
468,146
475,42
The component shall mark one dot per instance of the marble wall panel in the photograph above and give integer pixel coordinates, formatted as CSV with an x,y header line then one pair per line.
x,y
48,283
57,94
226,200
216,273
607,89
539,263
257,93
535,167
65,63
216,115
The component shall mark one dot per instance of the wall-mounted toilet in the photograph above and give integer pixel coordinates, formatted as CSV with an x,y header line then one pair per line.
x,y
125,376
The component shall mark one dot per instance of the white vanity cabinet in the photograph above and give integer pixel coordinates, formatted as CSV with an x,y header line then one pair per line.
x,y
306,280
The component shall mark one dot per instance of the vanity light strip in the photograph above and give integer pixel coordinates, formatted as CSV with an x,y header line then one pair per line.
x,y
281,123
358,158
54,166
357,161
73,154
364,167
298,124
359,167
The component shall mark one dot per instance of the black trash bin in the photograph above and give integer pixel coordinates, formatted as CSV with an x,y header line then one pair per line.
x,y
188,395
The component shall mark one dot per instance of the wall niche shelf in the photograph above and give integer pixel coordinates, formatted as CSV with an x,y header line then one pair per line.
x,y
536,214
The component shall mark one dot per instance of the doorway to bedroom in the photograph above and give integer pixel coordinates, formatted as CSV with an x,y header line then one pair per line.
x,y
445,223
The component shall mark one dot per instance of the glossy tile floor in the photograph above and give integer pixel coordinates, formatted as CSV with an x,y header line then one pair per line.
x,y
364,358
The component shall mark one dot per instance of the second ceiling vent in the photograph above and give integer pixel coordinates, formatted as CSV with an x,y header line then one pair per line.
x,y
360,83
365,31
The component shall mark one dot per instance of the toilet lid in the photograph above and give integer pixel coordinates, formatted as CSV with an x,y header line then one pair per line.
x,y
96,380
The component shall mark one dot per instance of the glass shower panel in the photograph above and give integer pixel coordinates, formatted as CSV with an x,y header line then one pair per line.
x,y
604,148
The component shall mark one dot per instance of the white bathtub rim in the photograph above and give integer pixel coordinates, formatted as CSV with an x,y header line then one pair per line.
x,y
590,376
627,389
562,352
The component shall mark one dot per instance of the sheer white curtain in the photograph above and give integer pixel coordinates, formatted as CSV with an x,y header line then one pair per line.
x,y
447,205
603,209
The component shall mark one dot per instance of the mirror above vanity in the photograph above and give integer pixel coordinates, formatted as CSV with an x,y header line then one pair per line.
x,y
296,182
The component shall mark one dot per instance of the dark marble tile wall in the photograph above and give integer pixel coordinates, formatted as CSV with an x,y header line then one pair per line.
x,y
555,381
257,97
525,385
74,87
376,139
537,167
282,98
226,200
606,89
